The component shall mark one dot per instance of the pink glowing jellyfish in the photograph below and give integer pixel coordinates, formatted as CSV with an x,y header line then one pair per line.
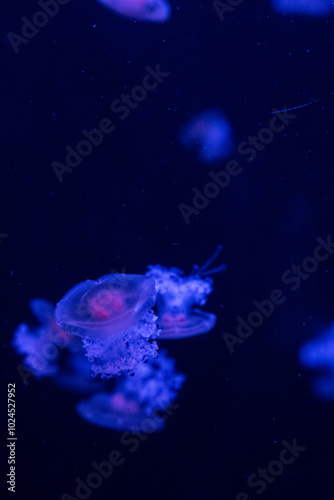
x,y
114,319
318,355
307,7
157,11
210,133
139,402
177,295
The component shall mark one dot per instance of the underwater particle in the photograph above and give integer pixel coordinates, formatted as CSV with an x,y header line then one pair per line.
x,y
307,7
113,316
156,11
177,295
139,401
41,345
210,133
318,355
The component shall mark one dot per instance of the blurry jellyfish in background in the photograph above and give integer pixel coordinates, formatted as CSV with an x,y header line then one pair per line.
x,y
137,402
51,352
177,295
307,7
210,133
157,11
42,345
114,319
318,355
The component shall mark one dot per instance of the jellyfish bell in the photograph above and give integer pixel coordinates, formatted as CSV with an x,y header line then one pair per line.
x,y
179,326
115,411
113,316
158,11
112,303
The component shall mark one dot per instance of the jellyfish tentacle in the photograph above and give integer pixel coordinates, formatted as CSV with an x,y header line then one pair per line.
x,y
199,271
215,270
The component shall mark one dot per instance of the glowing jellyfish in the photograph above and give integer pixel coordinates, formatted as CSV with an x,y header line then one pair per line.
x,y
177,295
307,7
139,402
42,345
113,316
210,133
318,355
157,11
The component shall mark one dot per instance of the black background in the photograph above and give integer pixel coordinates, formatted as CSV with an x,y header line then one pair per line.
x,y
119,209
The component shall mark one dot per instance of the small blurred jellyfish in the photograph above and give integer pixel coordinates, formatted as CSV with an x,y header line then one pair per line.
x,y
177,295
138,401
210,133
318,355
114,319
307,7
157,11
42,345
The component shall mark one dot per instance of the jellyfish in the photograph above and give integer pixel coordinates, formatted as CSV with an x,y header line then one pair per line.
x,y
210,133
177,295
42,345
157,11
51,352
138,402
114,319
307,7
318,355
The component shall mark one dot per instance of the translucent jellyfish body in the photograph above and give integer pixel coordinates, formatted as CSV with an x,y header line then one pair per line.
x,y
318,355
157,11
42,345
307,7
113,316
177,295
210,133
139,402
